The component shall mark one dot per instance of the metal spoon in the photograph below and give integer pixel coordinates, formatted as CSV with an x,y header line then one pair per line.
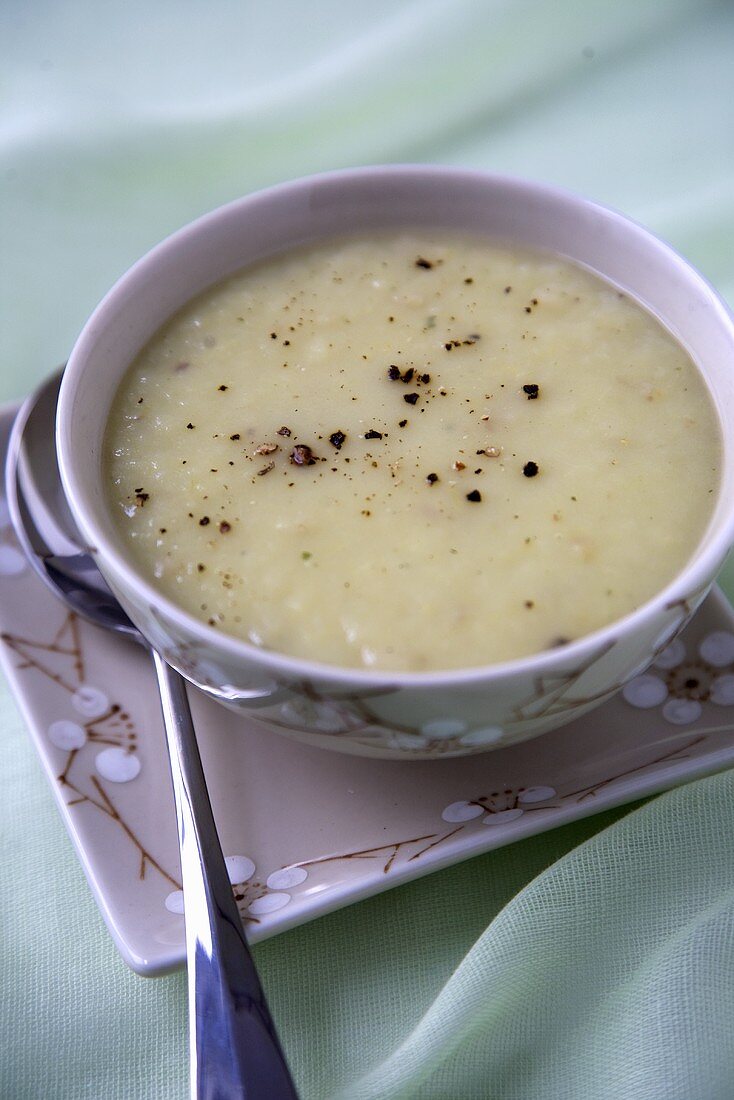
x,y
234,1048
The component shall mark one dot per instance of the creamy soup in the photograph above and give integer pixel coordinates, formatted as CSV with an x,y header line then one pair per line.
x,y
411,452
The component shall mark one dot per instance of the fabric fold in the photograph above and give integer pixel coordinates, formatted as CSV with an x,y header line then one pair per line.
x,y
611,958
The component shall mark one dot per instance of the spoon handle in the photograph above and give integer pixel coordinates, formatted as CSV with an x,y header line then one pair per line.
x,y
234,1049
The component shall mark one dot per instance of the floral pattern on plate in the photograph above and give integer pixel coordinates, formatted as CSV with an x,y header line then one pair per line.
x,y
306,830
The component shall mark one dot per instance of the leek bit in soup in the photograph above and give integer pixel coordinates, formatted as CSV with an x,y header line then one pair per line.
x,y
411,452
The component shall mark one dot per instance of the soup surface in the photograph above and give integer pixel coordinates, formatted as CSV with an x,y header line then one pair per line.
x,y
411,452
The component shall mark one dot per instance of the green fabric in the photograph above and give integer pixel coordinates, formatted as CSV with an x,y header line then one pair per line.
x,y
540,971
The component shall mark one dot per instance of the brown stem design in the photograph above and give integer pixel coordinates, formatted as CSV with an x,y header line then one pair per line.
x,y
18,645
371,853
106,806
594,788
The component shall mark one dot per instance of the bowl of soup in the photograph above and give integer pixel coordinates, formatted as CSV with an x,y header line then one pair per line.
x,y
406,461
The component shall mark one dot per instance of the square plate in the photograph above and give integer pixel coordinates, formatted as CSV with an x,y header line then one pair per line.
x,y
309,830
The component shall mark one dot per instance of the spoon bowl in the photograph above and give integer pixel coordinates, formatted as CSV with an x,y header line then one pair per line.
x,y
38,473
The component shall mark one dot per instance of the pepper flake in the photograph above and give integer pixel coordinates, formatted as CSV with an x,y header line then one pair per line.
x,y
302,455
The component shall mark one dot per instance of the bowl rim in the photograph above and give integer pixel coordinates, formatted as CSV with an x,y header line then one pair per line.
x,y
695,575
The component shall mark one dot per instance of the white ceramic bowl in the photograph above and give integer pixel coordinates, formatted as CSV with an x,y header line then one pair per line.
x,y
373,713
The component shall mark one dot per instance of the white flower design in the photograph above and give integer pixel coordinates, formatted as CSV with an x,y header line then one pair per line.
x,y
260,898
436,729
174,902
314,713
445,734
117,765
287,877
680,684
499,807
90,701
484,735
67,735
434,736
